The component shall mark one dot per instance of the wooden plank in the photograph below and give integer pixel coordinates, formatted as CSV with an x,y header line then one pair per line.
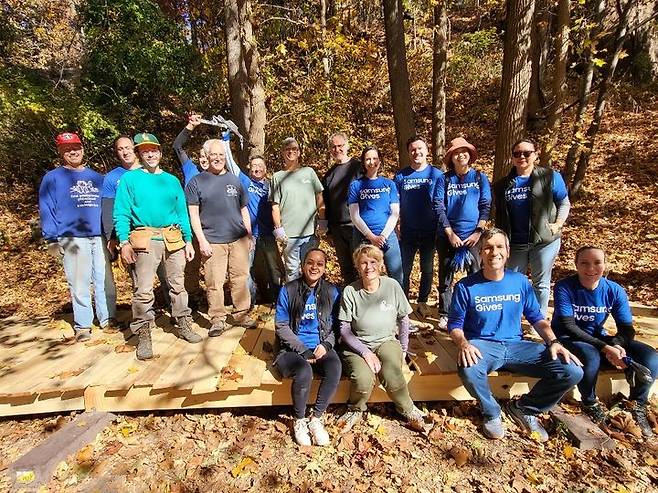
x,y
419,362
215,355
249,368
151,370
45,403
265,342
441,360
584,433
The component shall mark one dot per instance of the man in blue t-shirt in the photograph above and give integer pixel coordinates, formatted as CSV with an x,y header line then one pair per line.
x,y
70,211
418,222
485,324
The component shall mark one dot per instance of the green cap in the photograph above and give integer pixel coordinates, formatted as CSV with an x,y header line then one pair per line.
x,y
145,138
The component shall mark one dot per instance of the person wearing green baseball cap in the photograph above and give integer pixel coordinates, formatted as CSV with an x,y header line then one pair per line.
x,y
152,225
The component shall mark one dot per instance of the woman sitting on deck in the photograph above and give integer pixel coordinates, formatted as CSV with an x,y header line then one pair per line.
x,y
372,310
305,330
582,304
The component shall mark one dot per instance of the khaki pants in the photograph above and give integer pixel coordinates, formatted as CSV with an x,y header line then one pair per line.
x,y
362,379
143,275
234,259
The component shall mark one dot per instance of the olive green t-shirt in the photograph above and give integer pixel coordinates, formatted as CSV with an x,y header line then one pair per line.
x,y
374,316
295,193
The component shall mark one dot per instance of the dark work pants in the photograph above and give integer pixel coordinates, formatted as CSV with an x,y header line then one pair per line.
x,y
341,236
294,365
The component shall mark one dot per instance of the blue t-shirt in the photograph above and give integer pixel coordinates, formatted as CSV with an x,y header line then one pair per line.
x,y
259,207
590,308
467,200
70,203
374,198
308,330
417,190
190,170
518,198
492,310
111,182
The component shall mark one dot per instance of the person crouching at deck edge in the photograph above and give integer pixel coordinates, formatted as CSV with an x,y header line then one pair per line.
x,y
151,222
306,315
485,324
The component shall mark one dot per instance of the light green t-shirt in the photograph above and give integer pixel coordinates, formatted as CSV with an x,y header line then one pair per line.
x,y
295,193
374,316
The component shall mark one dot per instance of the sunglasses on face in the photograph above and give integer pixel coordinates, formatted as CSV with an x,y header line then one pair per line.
x,y
525,154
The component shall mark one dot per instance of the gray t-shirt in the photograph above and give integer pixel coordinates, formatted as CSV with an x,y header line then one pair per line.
x,y
220,198
374,316
295,192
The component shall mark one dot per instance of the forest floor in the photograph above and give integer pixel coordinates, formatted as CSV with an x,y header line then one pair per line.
x,y
253,450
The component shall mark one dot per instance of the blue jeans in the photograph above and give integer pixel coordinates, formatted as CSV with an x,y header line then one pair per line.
x,y
527,358
267,252
392,256
593,361
86,261
540,258
423,243
294,252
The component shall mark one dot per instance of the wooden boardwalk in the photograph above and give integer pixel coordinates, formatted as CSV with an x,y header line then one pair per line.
x,y
42,370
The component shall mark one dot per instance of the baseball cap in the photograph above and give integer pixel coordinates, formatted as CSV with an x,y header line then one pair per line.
x,y
145,138
67,138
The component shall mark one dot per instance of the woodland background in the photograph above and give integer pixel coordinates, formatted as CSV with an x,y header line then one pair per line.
x,y
580,76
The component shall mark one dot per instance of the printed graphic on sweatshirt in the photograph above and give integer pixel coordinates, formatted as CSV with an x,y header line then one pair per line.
x,y
85,194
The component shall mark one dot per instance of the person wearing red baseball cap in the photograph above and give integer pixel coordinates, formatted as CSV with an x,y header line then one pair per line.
x,y
70,211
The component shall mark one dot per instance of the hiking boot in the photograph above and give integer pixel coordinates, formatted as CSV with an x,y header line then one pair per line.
x,y
82,335
595,412
300,429
144,345
494,428
443,322
111,327
347,421
318,433
246,322
185,330
415,419
527,422
217,329
639,414
423,310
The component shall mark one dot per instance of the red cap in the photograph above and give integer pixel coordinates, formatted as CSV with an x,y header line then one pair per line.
x,y
67,138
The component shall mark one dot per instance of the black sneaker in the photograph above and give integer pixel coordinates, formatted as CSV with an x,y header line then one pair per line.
x,y
639,414
595,412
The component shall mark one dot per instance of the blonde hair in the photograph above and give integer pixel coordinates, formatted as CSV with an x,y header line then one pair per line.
x,y
370,251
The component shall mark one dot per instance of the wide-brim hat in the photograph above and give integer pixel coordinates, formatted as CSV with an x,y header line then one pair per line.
x,y
458,143
144,138
67,138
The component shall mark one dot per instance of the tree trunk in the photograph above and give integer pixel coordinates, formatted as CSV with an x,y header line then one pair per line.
x,y
398,74
439,67
595,126
584,95
515,83
559,81
323,25
245,83
539,57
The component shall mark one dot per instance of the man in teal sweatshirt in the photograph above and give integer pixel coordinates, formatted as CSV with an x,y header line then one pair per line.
x,y
150,204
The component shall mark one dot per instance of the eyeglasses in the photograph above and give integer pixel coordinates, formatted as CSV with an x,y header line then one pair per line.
x,y
525,154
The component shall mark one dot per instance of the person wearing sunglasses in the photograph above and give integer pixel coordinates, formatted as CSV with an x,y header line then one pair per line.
x,y
583,302
532,204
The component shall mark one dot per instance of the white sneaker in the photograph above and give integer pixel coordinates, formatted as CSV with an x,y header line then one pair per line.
x,y
301,432
318,433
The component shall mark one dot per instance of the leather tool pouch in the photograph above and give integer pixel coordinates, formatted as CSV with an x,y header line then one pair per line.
x,y
173,238
140,239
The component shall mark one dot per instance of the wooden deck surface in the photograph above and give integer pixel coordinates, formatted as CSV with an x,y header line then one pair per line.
x,y
43,370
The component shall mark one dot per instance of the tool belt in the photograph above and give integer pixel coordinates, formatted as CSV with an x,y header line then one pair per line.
x,y
140,238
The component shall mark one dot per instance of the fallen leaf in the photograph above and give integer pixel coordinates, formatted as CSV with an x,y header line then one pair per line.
x,y
54,424
68,374
282,427
313,467
124,348
535,436
240,468
95,342
85,456
460,454
25,477
112,448
533,478
127,428
436,434
568,452
133,369
230,373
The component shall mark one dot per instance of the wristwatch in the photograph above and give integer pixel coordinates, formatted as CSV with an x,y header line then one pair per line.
x,y
553,341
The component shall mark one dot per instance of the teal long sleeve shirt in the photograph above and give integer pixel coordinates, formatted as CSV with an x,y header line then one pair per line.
x,y
153,200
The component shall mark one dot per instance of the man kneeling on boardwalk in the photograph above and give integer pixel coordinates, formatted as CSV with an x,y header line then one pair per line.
x,y
485,324
151,222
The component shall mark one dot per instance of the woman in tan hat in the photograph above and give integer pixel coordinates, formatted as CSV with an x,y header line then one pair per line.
x,y
463,206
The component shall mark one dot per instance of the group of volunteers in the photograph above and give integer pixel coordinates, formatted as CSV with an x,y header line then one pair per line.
x,y
223,220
